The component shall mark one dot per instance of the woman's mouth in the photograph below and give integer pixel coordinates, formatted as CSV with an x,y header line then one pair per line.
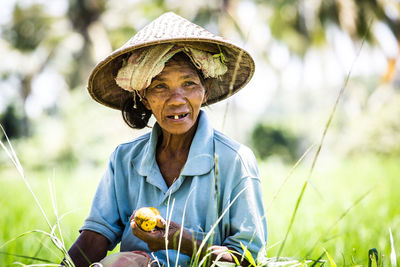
x,y
177,116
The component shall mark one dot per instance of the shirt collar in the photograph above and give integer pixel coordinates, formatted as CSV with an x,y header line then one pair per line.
x,y
201,155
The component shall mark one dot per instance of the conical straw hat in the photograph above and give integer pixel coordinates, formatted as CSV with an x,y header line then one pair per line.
x,y
171,28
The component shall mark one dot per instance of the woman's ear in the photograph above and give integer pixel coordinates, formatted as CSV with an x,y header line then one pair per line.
x,y
146,103
143,99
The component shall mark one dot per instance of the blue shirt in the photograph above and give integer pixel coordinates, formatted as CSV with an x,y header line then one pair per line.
x,y
220,175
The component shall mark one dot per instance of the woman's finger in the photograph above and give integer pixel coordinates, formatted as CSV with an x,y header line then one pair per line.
x,y
161,223
132,216
137,231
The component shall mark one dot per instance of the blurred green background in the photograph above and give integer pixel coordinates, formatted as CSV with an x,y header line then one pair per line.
x,y
303,51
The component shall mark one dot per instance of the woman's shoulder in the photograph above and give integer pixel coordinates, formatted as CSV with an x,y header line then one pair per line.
x,y
225,144
133,146
232,153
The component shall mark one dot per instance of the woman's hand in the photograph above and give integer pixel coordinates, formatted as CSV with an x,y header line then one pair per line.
x,y
157,240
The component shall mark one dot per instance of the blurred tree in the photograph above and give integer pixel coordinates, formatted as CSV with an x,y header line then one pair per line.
x,y
301,24
25,33
298,24
267,140
12,122
36,42
28,28
82,14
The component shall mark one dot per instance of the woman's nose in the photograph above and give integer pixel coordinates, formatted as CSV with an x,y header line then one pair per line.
x,y
177,96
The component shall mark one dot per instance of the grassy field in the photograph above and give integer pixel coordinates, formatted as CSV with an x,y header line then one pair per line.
x,y
334,190
335,213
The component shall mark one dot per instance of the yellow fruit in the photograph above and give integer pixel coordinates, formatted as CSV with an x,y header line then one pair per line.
x,y
147,218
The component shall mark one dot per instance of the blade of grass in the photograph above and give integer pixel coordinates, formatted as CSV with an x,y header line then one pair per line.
x,y
331,261
318,260
54,204
58,242
327,125
247,255
210,232
244,248
355,203
224,263
49,248
25,257
49,264
284,261
50,235
216,262
155,262
393,251
168,215
274,245
12,155
40,246
373,255
225,115
289,175
22,235
15,160
182,224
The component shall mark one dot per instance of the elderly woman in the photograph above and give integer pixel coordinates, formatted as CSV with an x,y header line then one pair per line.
x,y
204,184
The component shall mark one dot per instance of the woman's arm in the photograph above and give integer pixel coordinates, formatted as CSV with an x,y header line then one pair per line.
x,y
88,248
156,241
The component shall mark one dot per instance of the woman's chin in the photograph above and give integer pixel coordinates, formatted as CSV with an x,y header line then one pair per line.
x,y
177,130
177,127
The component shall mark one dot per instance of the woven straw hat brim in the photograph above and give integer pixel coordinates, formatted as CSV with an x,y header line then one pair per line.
x,y
171,28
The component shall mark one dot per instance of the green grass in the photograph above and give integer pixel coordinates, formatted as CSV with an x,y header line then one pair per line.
x,y
335,187
21,214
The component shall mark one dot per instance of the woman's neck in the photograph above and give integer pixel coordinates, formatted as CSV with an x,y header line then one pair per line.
x,y
172,153
173,144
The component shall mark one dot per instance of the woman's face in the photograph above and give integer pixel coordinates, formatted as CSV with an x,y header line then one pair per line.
x,y
175,96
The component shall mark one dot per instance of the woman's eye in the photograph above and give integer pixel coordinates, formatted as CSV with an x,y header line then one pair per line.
x,y
189,83
160,86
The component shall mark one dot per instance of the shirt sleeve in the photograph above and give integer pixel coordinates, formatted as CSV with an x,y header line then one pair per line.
x,y
247,220
104,216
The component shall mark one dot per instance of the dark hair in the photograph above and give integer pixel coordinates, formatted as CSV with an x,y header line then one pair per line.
x,y
136,115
